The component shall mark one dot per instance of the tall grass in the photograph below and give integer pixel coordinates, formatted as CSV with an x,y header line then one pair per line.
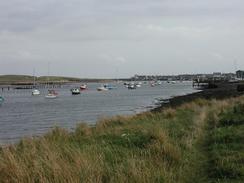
x,y
167,146
226,147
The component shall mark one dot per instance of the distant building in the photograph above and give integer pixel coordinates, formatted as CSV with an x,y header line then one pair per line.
x,y
229,76
240,74
217,75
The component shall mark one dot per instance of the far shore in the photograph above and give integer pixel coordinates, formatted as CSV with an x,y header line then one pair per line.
x,y
223,91
29,80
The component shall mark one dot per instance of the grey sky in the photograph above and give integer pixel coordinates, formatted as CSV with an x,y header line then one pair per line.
x,y
119,38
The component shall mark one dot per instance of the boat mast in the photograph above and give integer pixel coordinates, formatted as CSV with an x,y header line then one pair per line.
x,y
34,79
48,72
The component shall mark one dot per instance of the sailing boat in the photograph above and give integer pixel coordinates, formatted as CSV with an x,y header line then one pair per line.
x,y
52,94
35,91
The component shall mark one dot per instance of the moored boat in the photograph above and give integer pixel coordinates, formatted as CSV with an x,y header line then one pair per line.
x,y
102,88
35,92
1,100
152,84
159,82
155,83
51,94
83,87
138,85
131,86
109,87
75,91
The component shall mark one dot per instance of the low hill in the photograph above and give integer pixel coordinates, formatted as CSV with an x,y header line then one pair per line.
x,y
26,79
15,78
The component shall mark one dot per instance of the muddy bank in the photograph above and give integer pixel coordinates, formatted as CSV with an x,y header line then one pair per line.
x,y
223,90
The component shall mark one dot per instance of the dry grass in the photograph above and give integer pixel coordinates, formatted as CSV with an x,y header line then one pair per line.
x,y
149,147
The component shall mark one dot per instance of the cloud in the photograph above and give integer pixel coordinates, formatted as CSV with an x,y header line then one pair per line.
x,y
27,15
139,35
110,59
218,56
121,60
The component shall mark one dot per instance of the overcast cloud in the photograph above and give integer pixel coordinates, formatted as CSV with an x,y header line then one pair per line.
x,y
120,38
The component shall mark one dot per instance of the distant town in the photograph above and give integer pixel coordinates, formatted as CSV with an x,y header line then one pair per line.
x,y
28,80
239,75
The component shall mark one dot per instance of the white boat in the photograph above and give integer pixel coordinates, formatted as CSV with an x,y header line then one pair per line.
x,y
131,86
152,83
159,82
51,94
138,85
83,87
35,92
102,88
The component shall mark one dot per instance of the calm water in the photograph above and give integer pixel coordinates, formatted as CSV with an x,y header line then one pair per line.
x,y
24,115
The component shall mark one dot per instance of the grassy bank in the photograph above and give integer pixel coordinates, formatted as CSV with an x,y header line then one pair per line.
x,y
16,79
199,141
26,79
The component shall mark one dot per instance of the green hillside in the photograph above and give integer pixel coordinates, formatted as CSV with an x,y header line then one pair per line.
x,y
15,79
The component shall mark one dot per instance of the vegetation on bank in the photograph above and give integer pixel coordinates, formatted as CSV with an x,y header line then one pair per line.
x,y
225,146
26,79
15,78
11,79
201,141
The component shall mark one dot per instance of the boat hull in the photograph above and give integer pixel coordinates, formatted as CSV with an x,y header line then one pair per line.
x,y
51,96
131,87
102,89
1,100
36,92
83,87
75,91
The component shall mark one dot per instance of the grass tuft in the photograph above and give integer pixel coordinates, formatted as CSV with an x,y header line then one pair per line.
x,y
201,140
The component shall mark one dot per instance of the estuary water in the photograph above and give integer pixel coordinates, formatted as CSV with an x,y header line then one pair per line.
x,y
23,115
